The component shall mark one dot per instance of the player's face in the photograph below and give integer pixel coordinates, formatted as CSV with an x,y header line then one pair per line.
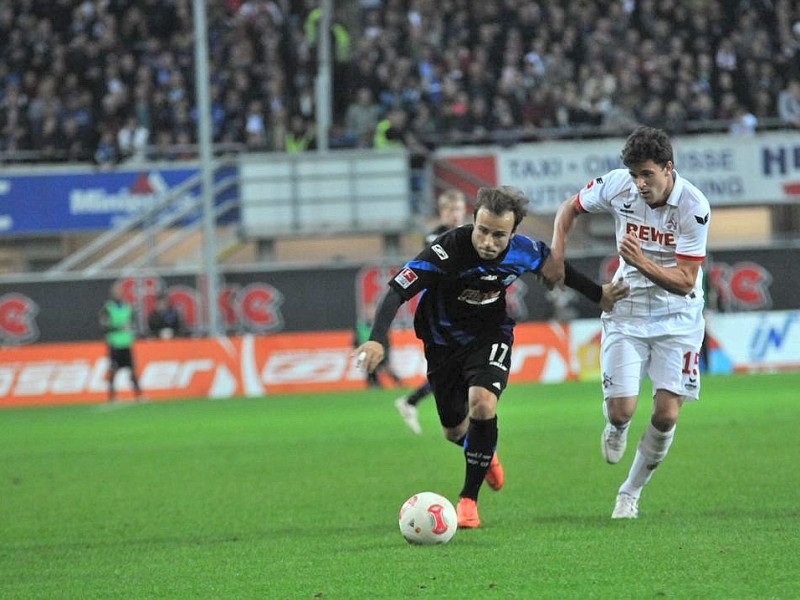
x,y
653,181
453,214
492,233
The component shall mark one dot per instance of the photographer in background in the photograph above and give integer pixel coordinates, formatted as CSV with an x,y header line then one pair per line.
x,y
165,321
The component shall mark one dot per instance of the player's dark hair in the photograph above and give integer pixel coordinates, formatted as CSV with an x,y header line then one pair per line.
x,y
647,143
501,199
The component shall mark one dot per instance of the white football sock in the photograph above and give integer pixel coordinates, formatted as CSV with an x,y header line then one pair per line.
x,y
651,451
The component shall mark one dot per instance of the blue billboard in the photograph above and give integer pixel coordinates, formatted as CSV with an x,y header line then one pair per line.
x,y
57,202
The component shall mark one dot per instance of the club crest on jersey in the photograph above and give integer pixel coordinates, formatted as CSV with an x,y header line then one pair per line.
x,y
701,220
671,224
440,251
607,380
405,278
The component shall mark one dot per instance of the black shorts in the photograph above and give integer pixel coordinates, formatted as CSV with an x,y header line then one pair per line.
x,y
120,358
452,371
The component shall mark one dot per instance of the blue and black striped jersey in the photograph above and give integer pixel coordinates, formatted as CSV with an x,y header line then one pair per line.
x,y
464,296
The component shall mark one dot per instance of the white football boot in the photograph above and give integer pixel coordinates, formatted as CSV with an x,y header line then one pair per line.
x,y
626,507
409,414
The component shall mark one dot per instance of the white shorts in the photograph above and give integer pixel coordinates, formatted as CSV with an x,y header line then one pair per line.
x,y
671,360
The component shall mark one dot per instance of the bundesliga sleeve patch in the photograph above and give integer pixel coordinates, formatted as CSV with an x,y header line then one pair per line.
x,y
405,278
597,180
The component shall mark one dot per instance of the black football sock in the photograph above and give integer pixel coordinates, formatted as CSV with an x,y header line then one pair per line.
x,y
460,441
372,380
478,451
418,394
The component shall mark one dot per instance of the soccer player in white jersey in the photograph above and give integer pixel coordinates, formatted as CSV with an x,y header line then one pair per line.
x,y
662,225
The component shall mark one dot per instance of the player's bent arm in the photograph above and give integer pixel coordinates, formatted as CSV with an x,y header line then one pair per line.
x,y
563,224
370,354
678,280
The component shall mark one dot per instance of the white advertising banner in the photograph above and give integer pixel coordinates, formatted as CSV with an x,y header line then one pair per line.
x,y
762,341
737,342
730,170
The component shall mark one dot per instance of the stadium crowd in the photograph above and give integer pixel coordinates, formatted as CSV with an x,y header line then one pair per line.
x,y
112,80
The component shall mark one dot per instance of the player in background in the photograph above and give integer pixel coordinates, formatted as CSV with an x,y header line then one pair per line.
x,y
467,334
452,209
662,225
361,332
116,321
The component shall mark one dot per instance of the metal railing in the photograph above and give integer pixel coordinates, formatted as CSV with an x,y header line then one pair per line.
x,y
107,250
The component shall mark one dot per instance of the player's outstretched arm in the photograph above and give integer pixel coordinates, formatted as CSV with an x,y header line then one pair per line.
x,y
370,354
606,296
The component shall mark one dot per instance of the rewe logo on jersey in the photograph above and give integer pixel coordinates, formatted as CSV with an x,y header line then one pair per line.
x,y
648,233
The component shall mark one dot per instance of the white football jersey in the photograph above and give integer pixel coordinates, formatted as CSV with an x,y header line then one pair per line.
x,y
677,229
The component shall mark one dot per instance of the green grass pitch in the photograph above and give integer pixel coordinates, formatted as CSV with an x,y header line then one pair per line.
x,y
297,497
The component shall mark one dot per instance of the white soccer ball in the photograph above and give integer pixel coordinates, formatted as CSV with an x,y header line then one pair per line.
x,y
428,518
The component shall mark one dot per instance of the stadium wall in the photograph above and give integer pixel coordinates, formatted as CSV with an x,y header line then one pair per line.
x,y
255,366
267,302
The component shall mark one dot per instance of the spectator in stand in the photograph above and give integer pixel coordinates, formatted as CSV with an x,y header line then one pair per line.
x,y
255,128
300,136
789,104
132,140
106,60
75,144
106,155
743,123
362,118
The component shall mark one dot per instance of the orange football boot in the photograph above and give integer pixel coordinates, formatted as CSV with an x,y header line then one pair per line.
x,y
467,512
495,476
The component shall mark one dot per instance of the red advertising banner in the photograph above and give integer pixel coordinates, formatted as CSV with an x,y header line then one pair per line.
x,y
250,366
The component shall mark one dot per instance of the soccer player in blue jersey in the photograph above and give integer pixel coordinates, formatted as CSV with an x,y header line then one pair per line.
x,y
452,208
467,335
